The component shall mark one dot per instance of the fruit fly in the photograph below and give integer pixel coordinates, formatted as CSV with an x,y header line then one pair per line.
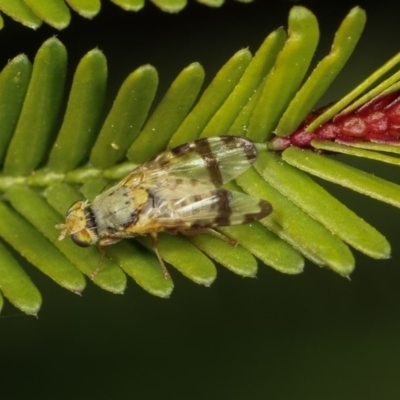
x,y
179,191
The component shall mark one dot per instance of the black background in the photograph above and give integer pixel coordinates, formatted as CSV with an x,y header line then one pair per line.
x,y
313,336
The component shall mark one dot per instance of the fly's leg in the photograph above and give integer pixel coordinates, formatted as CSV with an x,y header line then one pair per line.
x,y
97,269
103,242
160,260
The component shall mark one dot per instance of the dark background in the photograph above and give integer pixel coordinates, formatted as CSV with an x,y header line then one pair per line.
x,y
313,336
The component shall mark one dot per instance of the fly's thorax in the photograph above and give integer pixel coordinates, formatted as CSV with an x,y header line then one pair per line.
x,y
118,209
80,224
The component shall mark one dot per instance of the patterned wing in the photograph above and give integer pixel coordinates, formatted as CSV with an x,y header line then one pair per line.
x,y
213,161
218,207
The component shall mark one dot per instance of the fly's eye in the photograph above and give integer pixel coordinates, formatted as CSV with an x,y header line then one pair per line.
x,y
82,238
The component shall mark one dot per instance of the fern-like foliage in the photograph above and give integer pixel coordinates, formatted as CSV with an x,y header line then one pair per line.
x,y
57,13
251,95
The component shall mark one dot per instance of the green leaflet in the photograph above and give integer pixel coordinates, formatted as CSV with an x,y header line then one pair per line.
x,y
25,239
126,117
168,115
142,266
19,11
39,112
14,81
235,258
267,246
324,74
55,12
171,6
345,175
285,78
259,66
16,285
295,226
86,8
212,3
130,5
303,191
212,99
178,252
79,127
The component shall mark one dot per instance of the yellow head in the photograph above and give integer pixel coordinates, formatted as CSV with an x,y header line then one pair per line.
x,y
79,224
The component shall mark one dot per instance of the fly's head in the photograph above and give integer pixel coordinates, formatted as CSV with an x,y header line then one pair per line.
x,y
80,225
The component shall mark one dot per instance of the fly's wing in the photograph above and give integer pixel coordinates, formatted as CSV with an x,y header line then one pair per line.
x,y
212,161
215,208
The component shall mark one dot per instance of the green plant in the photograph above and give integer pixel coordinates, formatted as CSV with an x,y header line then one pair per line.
x,y
44,166
56,13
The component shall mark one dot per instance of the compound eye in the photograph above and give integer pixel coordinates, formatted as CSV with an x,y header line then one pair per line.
x,y
82,238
